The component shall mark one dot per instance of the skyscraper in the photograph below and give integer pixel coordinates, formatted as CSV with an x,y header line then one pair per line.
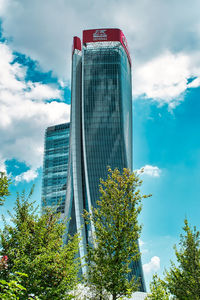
x,y
56,152
101,122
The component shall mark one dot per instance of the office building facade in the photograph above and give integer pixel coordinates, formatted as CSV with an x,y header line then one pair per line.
x,y
101,124
56,153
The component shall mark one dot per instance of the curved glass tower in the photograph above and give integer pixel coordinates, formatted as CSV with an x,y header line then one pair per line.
x,y
101,123
106,111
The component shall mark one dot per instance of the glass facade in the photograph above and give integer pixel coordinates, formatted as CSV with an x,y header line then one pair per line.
x,y
101,125
75,202
106,104
56,152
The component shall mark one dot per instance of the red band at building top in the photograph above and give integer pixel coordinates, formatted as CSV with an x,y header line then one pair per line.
x,y
76,44
106,35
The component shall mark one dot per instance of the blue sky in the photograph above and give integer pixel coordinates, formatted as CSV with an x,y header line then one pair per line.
x,y
35,58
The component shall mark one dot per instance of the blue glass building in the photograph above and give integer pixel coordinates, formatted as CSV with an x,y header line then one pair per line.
x,y
56,152
101,124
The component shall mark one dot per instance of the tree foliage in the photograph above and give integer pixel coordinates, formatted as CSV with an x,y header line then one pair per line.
x,y
12,289
158,290
182,281
117,230
4,185
183,278
34,246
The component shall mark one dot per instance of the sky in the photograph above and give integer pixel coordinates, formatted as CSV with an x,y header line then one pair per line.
x,y
164,42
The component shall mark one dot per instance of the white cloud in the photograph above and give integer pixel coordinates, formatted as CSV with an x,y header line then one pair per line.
x,y
164,78
26,176
151,28
149,170
2,165
3,6
153,265
164,56
41,92
25,113
195,83
142,245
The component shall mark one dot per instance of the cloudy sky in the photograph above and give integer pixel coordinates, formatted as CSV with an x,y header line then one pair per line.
x,y
164,41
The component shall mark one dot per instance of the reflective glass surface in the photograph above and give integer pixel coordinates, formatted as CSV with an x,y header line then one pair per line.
x,y
107,113
55,166
101,131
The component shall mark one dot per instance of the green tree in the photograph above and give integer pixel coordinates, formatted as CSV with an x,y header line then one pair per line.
x,y
12,289
4,184
183,278
182,281
158,290
117,230
34,246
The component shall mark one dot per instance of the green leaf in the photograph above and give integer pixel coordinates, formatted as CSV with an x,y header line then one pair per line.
x,y
117,230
